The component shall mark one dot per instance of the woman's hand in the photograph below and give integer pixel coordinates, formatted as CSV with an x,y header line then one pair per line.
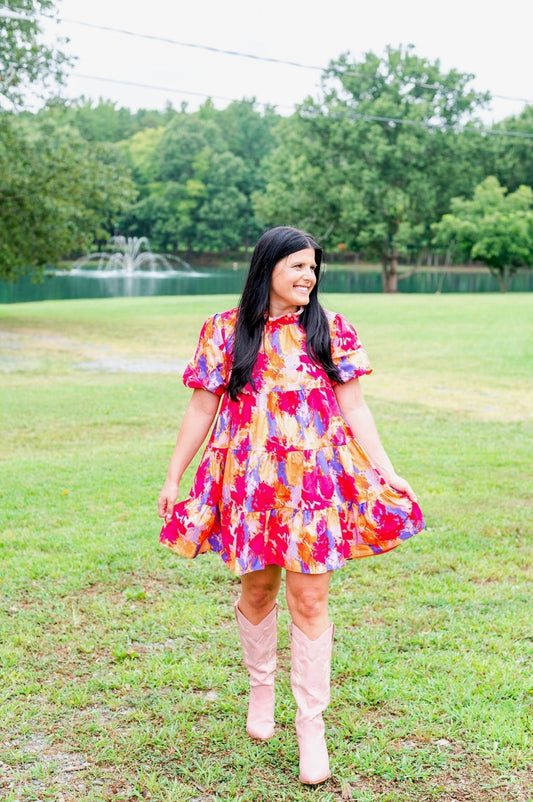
x,y
197,421
402,485
167,499
359,418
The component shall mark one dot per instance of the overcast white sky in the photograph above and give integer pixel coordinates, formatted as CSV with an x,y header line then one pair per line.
x,y
489,38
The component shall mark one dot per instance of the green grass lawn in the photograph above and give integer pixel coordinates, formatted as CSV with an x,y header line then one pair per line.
x,y
120,671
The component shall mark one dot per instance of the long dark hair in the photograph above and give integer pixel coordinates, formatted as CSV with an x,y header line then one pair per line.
x,y
274,245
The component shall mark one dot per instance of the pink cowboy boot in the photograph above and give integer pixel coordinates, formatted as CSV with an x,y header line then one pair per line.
x,y
259,652
310,680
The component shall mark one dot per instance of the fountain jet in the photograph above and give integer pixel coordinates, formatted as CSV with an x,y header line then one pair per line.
x,y
130,255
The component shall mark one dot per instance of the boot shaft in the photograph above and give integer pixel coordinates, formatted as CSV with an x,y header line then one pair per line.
x,y
259,644
310,681
311,669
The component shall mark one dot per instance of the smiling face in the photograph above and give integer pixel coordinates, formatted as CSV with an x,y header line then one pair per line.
x,y
292,280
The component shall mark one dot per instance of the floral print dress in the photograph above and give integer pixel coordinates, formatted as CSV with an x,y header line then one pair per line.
x,y
282,480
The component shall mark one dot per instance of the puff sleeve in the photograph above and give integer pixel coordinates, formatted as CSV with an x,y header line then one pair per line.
x,y
209,369
346,350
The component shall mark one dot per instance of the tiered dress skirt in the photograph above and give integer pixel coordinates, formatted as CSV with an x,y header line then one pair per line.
x,y
282,480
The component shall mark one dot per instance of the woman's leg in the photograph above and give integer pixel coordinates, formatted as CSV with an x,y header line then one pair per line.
x,y
307,599
259,591
311,645
256,613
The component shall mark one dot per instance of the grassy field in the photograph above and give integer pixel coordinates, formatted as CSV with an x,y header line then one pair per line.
x,y
120,672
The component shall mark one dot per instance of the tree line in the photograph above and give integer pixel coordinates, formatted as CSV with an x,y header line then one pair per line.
x,y
391,161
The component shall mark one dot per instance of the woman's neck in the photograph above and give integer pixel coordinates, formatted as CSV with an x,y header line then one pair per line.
x,y
279,310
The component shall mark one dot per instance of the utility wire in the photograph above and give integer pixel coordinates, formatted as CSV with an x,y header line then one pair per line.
x,y
252,56
235,53
351,114
423,124
167,89
208,48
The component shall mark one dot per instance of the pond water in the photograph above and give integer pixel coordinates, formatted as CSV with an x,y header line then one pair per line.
x,y
215,282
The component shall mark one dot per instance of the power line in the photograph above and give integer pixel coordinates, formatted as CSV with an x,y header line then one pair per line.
x,y
238,53
165,89
252,56
526,100
208,48
351,114
423,124
147,86
519,134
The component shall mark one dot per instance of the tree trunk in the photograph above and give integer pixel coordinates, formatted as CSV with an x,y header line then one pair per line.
x,y
502,276
390,273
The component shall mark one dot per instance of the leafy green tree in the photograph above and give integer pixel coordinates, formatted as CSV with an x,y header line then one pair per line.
x,y
176,169
494,227
248,133
103,121
222,223
140,153
250,136
57,194
25,60
377,157
196,177
513,155
96,122
203,213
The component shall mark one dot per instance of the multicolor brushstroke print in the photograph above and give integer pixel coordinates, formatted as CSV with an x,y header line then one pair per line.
x,y
282,480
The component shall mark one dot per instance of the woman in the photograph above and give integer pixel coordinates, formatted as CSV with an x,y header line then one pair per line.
x,y
294,476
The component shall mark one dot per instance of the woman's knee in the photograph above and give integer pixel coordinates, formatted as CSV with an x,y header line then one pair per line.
x,y
260,588
308,598
310,604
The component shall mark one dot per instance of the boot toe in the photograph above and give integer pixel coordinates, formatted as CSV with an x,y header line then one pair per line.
x,y
260,733
260,721
314,763
310,781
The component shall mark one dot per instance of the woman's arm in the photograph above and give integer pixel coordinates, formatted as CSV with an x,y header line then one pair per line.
x,y
359,418
197,421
